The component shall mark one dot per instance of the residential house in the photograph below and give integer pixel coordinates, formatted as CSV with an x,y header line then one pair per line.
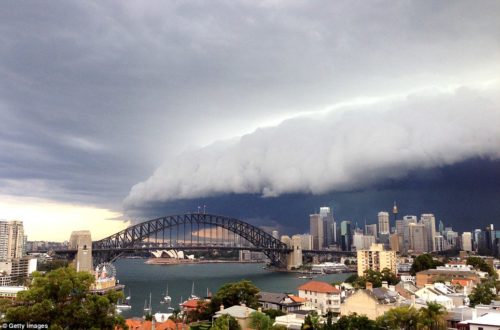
x,y
322,296
372,302
240,312
279,301
430,276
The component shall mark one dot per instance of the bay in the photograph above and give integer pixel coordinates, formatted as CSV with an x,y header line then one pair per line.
x,y
141,279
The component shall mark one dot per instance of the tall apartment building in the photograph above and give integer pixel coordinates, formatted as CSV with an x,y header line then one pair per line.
x,y
467,241
383,223
11,240
376,258
316,229
429,221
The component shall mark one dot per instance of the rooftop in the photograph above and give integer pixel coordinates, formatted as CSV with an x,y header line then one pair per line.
x,y
317,286
236,311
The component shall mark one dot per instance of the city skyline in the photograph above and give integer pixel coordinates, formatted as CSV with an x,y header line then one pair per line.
x,y
113,113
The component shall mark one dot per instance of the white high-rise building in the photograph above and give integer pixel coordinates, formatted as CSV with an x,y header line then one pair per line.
x,y
429,221
383,223
11,240
467,241
275,234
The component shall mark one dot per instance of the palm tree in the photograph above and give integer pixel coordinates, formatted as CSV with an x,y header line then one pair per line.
x,y
432,316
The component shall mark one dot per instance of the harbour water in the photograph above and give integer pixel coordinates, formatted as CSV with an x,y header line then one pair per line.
x,y
141,279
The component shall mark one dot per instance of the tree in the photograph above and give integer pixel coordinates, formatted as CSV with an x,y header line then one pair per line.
x,y
482,265
399,318
260,321
279,327
354,322
272,313
62,298
225,322
389,276
311,322
482,294
236,293
423,262
432,316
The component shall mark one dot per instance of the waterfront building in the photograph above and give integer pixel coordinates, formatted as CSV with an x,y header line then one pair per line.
x,y
321,295
12,240
345,235
383,223
429,221
376,258
10,292
467,241
275,234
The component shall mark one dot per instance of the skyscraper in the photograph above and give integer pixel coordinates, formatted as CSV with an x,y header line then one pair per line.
x,y
328,225
316,230
418,238
407,220
429,221
345,235
11,240
467,241
371,230
383,223
395,213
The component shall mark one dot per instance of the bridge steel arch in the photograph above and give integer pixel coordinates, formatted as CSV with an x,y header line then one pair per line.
x,y
128,238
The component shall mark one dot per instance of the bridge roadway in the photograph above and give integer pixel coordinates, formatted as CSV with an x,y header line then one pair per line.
x,y
175,228
195,248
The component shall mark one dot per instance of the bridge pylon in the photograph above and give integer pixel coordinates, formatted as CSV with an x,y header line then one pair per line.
x,y
81,241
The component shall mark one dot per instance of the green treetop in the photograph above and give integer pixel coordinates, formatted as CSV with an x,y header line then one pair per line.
x,y
62,299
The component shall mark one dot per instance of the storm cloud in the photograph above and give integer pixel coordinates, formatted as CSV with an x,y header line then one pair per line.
x,y
96,96
354,149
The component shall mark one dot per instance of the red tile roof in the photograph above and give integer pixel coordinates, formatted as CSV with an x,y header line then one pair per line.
x,y
192,303
297,299
317,286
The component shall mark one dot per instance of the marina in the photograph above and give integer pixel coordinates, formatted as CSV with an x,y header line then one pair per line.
x,y
185,280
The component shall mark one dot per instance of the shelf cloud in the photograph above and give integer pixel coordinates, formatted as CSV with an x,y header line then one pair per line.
x,y
351,148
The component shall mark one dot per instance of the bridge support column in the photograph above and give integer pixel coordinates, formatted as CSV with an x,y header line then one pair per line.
x,y
294,258
82,242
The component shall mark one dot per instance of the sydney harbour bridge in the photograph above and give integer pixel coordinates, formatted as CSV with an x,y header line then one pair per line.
x,y
189,232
